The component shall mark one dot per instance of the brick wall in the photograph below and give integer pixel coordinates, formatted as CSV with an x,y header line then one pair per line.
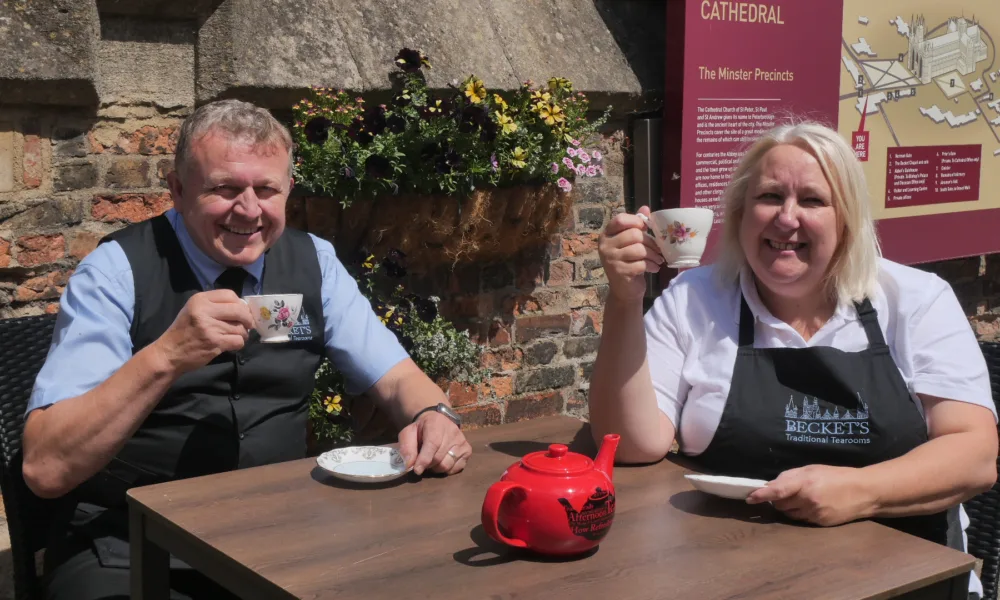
x,y
67,179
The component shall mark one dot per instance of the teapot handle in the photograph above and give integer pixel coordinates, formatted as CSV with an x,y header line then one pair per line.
x,y
491,511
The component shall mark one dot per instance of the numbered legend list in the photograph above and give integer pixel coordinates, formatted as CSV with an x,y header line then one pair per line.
x,y
921,175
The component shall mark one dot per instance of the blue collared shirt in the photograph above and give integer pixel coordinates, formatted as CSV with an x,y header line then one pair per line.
x,y
91,338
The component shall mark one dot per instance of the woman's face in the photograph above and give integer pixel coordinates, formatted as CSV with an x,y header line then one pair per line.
x,y
789,230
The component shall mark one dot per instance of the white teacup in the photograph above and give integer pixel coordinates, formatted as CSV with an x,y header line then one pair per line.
x,y
274,315
681,234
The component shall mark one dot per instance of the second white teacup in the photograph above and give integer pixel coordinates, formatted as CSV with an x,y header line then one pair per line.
x,y
274,315
681,234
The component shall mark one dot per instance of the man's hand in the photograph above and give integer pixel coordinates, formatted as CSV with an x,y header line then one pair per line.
x,y
819,494
209,324
426,443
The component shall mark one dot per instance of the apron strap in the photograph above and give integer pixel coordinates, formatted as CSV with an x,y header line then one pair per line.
x,y
746,324
869,319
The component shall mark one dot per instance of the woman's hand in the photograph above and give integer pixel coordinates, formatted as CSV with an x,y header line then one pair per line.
x,y
627,254
819,494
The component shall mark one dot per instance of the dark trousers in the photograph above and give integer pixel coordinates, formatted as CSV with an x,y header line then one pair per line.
x,y
73,571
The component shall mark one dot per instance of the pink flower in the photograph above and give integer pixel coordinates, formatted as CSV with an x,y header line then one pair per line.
x,y
555,167
568,162
564,184
284,313
581,170
597,155
591,171
576,142
583,156
571,151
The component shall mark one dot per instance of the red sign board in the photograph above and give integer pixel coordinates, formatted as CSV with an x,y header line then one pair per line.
x,y
923,128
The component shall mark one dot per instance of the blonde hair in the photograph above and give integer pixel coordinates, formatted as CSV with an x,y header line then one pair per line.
x,y
853,271
240,121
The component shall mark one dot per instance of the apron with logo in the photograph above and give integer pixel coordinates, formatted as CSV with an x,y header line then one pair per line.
x,y
792,407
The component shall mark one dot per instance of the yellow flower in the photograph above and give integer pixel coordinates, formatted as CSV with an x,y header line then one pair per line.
x,y
560,83
332,403
264,313
499,101
540,97
551,114
475,90
369,262
506,123
518,158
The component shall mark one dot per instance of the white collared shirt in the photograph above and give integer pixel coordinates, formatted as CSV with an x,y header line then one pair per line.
x,y
693,328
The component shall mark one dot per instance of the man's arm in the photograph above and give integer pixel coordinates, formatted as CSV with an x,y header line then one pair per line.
x,y
92,394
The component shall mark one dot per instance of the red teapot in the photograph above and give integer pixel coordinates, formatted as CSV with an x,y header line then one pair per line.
x,y
554,502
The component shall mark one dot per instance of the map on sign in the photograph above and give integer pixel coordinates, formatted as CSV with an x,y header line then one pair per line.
x,y
920,103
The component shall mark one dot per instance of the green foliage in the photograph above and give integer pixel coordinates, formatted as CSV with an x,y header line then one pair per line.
x,y
433,343
449,142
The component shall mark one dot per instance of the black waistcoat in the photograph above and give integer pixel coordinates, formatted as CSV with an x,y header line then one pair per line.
x,y
241,410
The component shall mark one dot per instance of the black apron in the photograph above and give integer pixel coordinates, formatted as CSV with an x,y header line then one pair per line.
x,y
792,407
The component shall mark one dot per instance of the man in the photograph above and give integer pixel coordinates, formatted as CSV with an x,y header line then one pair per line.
x,y
152,374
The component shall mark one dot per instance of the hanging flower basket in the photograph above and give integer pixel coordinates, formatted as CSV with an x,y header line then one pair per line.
x,y
488,225
460,175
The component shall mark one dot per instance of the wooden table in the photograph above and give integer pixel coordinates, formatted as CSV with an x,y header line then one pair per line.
x,y
291,531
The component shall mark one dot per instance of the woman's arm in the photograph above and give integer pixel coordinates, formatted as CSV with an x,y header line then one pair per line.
x,y
958,462
621,398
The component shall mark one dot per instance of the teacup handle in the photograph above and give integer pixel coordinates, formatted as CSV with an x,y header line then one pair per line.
x,y
491,512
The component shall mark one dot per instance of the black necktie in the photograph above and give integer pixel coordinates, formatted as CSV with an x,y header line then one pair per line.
x,y
232,279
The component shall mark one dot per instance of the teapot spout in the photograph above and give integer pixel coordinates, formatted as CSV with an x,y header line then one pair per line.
x,y
605,461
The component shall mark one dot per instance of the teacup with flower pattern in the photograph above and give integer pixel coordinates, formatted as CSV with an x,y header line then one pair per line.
x,y
274,315
681,234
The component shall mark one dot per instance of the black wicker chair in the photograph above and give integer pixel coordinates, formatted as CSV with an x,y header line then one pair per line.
x,y
984,509
24,344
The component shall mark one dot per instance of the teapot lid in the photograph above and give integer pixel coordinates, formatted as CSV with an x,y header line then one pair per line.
x,y
558,460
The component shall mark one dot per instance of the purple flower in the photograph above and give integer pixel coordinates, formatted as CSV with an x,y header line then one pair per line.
x,y
317,130
555,167
591,171
583,156
493,162
568,162
571,151
564,185
597,155
575,142
581,170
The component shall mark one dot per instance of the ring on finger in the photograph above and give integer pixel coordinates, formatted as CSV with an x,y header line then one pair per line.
x,y
452,454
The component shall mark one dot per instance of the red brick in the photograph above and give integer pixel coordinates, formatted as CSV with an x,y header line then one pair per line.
x,y
581,297
534,406
132,208
34,250
43,287
504,359
560,273
52,308
474,417
4,253
461,395
32,161
499,334
153,140
83,243
499,387
128,173
529,328
587,322
579,243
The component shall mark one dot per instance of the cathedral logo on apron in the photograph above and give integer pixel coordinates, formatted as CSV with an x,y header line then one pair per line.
x,y
814,421
302,330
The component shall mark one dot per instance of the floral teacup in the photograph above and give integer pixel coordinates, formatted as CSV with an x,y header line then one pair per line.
x,y
681,234
274,315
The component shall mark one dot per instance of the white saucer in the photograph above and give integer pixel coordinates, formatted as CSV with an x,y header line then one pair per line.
x,y
365,464
737,488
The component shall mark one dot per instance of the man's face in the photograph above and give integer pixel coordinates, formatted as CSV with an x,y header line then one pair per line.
x,y
232,196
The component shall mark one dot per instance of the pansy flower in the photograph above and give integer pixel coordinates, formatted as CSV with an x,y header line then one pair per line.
x,y
317,130
519,157
507,124
475,90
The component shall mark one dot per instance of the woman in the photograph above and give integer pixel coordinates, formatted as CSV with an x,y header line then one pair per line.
x,y
853,384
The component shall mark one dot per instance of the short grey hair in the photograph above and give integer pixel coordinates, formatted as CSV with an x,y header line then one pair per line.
x,y
853,272
237,120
